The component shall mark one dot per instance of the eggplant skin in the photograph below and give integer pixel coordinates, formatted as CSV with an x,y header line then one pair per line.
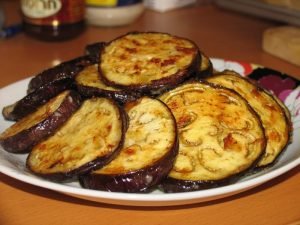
x,y
79,146
65,70
150,76
23,141
143,180
89,84
33,100
94,49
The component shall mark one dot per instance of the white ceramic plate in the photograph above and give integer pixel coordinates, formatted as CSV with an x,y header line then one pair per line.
x,y
13,165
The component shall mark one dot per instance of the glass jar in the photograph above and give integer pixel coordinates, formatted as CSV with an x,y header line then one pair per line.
x,y
53,20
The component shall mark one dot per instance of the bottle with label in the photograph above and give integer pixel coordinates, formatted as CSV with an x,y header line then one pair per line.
x,y
53,20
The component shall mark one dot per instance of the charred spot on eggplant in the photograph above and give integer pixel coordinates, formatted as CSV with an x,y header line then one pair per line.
x,y
32,129
33,100
148,154
273,116
89,84
65,70
148,62
220,136
89,139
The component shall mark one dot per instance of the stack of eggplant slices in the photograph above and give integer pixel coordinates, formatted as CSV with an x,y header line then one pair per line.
x,y
145,111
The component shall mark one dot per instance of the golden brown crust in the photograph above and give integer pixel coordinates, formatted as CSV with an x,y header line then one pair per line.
x,y
220,135
148,61
88,140
274,119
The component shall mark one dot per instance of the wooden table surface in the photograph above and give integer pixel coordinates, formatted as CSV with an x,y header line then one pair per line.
x,y
219,33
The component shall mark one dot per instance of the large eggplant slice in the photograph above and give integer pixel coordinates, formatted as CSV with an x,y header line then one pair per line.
x,y
148,154
65,70
220,136
90,138
89,84
24,134
273,116
33,100
148,62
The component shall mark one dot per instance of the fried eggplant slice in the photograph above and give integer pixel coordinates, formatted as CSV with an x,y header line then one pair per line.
x,y
65,70
148,62
148,154
89,139
220,137
33,100
32,129
273,116
206,67
89,84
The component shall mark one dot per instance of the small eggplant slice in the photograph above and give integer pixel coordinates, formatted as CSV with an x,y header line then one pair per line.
x,y
206,67
89,139
148,62
148,154
32,129
220,137
65,70
273,116
33,100
89,84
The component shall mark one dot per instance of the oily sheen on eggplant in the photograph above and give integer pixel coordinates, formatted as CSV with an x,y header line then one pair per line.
x,y
220,137
32,129
90,138
148,154
64,70
33,100
148,62
273,116
89,84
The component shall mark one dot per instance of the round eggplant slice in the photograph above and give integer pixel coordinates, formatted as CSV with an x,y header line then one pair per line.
x,y
273,116
220,137
148,154
32,129
33,100
89,84
90,138
148,62
65,70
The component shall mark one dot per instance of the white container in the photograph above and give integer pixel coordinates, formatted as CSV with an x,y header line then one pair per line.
x,y
113,14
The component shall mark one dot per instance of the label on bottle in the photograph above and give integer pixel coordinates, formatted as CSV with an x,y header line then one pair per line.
x,y
52,12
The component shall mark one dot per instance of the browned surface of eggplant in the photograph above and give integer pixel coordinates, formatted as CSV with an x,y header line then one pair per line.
x,y
148,62
90,138
220,136
24,134
89,84
148,154
33,100
273,116
65,70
